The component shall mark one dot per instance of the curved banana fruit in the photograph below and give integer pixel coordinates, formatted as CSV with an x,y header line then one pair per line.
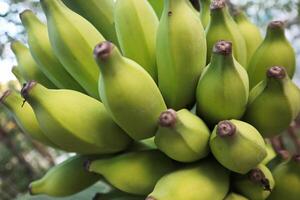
x,y
223,27
99,13
256,185
73,39
250,32
182,136
223,88
149,166
274,103
28,67
238,146
140,44
205,12
65,179
275,50
128,92
181,53
42,53
24,116
234,196
158,6
201,181
74,121
17,72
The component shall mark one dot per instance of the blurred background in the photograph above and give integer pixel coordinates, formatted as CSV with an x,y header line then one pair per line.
x,y
23,160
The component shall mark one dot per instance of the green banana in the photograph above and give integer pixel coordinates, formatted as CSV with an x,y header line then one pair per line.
x,y
237,145
128,92
42,53
234,196
287,178
24,116
158,6
256,185
73,39
223,89
99,13
223,27
206,180
205,12
250,32
182,136
140,44
74,121
274,103
28,67
271,154
17,72
275,50
149,166
65,179
181,53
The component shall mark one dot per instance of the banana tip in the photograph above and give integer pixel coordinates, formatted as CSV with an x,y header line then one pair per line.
x,y
276,72
150,198
24,12
276,24
30,190
284,154
257,176
223,47
226,128
217,4
103,50
87,164
5,95
168,118
26,88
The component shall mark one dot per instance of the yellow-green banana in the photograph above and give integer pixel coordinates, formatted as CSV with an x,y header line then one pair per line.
x,y
181,53
223,88
206,180
274,103
28,67
250,32
42,52
237,145
234,196
65,179
128,92
17,72
256,185
134,172
275,50
182,136
205,12
73,38
99,13
140,44
223,27
158,6
74,121
24,116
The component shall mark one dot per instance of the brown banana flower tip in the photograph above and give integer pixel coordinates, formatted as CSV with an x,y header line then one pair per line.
x,y
217,4
102,51
276,72
226,128
168,118
223,47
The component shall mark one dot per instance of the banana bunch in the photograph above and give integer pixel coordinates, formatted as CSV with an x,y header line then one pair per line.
x,y
158,108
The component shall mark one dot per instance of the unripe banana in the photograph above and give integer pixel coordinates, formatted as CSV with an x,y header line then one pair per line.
x,y
237,145
128,92
99,13
181,53
17,72
205,12
140,44
158,6
234,196
73,39
28,67
206,180
65,179
287,178
223,88
182,136
271,154
223,27
42,52
250,32
274,103
24,116
74,121
134,172
256,185
275,50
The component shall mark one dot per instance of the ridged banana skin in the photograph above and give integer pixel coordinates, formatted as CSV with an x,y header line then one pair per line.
x,y
129,94
99,13
205,12
181,54
250,32
234,196
201,181
41,51
28,67
135,172
24,116
76,122
136,27
17,73
73,38
223,27
65,179
158,6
